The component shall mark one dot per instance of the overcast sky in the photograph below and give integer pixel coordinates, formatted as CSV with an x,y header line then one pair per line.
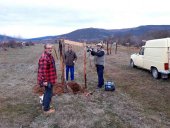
x,y
35,18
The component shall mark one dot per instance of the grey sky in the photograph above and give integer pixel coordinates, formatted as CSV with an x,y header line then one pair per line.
x,y
35,18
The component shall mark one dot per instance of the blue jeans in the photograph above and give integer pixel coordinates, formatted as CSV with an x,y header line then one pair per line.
x,y
47,96
71,69
100,69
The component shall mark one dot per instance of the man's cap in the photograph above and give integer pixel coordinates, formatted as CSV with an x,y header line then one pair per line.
x,y
99,44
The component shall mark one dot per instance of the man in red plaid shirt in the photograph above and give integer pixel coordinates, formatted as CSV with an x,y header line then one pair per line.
x,y
47,76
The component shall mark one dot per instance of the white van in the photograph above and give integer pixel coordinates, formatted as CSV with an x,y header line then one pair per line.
x,y
154,56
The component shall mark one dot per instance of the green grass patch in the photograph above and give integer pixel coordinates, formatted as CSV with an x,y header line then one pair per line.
x,y
18,112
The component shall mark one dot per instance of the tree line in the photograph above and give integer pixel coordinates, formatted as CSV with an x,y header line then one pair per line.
x,y
137,40
15,44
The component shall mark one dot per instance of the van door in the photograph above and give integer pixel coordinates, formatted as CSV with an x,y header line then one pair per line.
x,y
139,61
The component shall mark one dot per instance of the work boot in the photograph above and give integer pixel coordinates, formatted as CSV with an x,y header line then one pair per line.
x,y
50,111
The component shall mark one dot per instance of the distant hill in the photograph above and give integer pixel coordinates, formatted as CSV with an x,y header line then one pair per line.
x,y
45,38
87,34
95,34
141,30
3,38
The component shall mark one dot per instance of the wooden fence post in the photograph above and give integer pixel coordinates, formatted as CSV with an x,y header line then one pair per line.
x,y
85,76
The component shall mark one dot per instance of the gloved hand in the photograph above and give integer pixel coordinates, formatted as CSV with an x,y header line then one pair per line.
x,y
93,53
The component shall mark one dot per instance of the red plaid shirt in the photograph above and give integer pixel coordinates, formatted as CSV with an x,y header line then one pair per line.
x,y
46,69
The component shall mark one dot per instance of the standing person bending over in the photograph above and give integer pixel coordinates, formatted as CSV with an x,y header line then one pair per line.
x,y
70,59
99,62
47,76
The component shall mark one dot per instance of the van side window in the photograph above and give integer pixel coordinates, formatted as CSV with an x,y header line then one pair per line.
x,y
141,52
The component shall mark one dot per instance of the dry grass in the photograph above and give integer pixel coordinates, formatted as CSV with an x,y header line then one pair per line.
x,y
139,100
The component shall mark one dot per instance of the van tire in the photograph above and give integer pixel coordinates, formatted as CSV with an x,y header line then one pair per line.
x,y
132,64
155,73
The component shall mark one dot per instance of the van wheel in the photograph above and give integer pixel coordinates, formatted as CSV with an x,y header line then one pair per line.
x,y
155,73
132,64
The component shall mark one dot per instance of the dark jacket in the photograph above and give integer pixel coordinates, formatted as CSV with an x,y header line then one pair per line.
x,y
70,56
98,57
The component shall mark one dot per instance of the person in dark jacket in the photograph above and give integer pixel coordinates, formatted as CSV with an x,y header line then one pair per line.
x,y
99,59
47,76
70,59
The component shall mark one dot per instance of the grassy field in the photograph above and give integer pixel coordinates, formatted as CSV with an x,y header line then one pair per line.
x,y
138,102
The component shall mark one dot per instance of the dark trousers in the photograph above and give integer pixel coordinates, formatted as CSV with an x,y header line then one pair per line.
x,y
100,69
71,69
47,96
